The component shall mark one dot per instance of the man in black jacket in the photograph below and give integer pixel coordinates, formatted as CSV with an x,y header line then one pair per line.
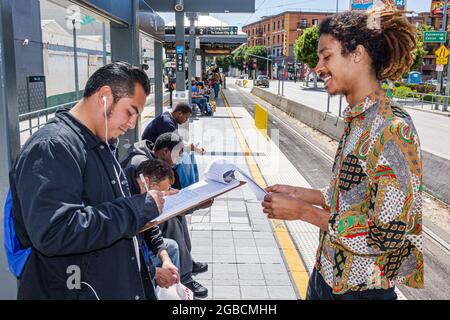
x,y
168,148
71,201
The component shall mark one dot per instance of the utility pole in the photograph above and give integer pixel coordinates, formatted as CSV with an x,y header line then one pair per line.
x,y
444,28
445,107
75,58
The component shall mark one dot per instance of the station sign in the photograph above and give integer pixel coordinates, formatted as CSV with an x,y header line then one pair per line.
x,y
215,31
179,49
434,36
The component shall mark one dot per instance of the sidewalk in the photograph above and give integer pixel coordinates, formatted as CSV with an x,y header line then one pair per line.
x,y
234,236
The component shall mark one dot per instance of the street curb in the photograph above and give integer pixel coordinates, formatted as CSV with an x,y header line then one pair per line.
x,y
439,113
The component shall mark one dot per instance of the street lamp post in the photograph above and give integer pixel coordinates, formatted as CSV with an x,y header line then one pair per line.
x,y
444,28
75,57
445,107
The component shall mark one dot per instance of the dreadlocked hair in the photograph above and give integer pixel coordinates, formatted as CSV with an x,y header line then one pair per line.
x,y
385,33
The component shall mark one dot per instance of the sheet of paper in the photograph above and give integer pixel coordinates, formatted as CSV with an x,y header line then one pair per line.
x,y
220,170
193,195
259,192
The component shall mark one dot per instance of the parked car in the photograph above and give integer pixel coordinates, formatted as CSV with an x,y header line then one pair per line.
x,y
262,81
432,82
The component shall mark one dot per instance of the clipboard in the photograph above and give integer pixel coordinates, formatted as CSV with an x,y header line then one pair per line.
x,y
184,210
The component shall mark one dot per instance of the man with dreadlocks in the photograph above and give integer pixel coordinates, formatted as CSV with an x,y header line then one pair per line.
x,y
371,214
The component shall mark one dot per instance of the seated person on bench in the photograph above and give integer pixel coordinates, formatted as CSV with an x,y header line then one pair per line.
x,y
197,97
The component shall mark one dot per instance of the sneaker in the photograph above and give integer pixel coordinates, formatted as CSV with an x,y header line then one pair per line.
x,y
199,267
197,289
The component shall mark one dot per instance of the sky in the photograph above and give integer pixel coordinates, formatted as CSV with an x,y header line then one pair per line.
x,y
271,7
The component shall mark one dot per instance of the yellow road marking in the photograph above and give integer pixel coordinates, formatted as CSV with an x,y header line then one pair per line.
x,y
295,264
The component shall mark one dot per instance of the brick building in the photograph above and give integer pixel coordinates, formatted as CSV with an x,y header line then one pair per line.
x,y
434,20
279,32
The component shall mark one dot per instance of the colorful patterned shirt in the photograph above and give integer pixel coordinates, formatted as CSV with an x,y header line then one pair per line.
x,y
374,238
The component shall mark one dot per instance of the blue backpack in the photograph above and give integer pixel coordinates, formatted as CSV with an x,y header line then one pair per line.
x,y
17,256
187,170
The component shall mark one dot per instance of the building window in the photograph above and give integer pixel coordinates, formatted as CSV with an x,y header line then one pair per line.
x,y
315,22
303,24
282,24
274,26
278,39
268,27
278,24
273,39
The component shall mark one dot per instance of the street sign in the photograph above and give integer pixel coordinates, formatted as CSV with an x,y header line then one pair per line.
x,y
180,49
439,67
441,60
442,52
434,36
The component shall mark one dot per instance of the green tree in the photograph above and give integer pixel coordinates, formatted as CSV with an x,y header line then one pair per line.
x,y
257,51
224,62
305,47
238,58
419,51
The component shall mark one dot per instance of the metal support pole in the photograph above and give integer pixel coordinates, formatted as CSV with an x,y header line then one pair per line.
x,y
328,104
282,83
295,72
444,28
278,80
75,58
267,62
340,105
158,78
191,56
179,41
9,129
104,42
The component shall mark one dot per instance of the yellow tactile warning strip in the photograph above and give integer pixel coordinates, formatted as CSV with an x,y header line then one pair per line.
x,y
295,264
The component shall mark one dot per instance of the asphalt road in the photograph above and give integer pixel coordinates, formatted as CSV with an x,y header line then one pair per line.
x,y
315,166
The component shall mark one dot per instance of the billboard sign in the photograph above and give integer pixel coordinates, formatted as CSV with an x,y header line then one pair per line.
x,y
366,4
401,4
437,7
360,4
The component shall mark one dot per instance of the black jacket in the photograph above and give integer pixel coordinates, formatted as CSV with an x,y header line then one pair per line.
x,y
69,208
140,152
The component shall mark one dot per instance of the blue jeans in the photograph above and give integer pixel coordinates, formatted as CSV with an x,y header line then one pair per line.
x,y
216,88
172,250
201,102
318,289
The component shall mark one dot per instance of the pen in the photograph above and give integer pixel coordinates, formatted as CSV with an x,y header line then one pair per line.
x,y
141,176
